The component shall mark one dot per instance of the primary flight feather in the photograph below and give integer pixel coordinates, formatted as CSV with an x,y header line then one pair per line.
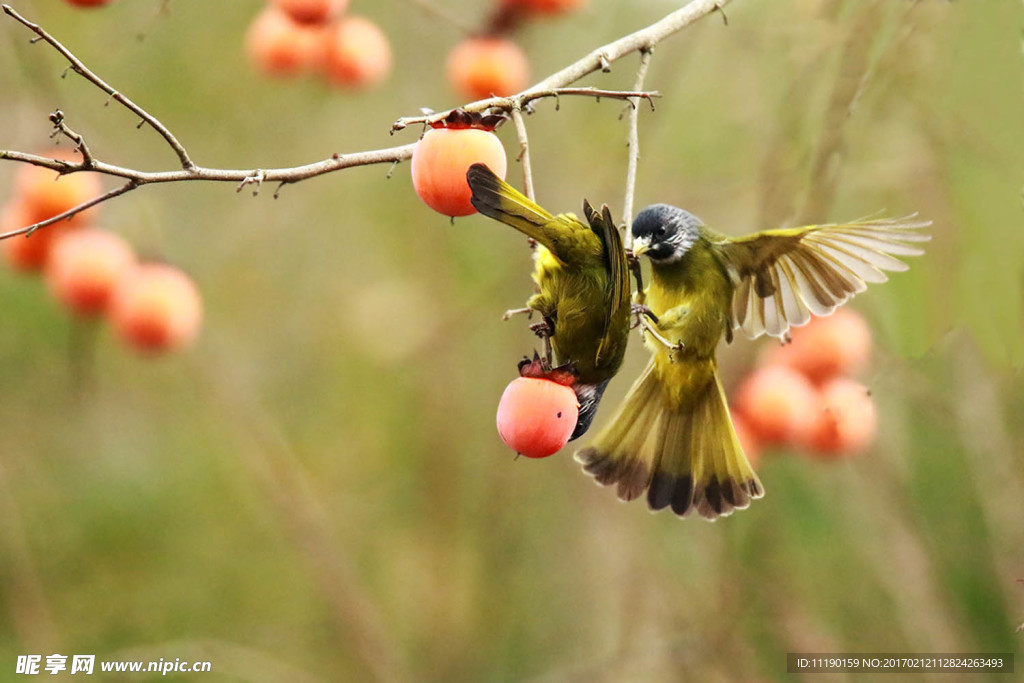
x,y
672,438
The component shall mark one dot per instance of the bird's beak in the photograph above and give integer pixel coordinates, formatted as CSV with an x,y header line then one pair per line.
x,y
641,245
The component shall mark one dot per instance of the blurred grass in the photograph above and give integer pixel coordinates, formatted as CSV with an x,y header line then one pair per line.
x,y
319,484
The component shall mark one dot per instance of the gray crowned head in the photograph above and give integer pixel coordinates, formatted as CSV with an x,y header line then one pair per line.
x,y
664,233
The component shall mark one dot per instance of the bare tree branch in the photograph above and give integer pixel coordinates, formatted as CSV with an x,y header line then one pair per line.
x,y
139,178
598,60
634,147
520,101
78,67
61,128
524,151
553,86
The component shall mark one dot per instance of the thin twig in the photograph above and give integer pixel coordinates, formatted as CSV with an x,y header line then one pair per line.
x,y
446,15
29,229
137,178
644,38
520,101
87,74
60,127
634,147
552,86
524,151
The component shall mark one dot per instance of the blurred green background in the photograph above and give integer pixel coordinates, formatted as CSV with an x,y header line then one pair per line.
x,y
317,490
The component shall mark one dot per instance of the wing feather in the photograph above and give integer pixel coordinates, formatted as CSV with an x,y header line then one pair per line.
x,y
783,277
797,312
617,289
813,293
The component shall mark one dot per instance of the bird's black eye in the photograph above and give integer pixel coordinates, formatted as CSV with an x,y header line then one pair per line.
x,y
659,231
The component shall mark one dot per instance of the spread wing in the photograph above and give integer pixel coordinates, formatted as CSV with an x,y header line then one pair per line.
x,y
617,289
781,277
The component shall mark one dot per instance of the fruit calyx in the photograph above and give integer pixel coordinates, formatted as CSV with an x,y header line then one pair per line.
x,y
460,118
540,368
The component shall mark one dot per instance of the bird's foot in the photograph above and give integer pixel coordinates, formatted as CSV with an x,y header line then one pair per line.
x,y
640,310
510,313
633,263
672,348
543,328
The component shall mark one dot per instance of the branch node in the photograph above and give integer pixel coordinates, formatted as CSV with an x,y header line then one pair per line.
x,y
255,178
606,65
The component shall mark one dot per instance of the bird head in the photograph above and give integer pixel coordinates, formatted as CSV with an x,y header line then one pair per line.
x,y
664,233
589,397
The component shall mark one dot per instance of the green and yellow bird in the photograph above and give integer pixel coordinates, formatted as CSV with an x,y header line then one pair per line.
x,y
672,437
582,279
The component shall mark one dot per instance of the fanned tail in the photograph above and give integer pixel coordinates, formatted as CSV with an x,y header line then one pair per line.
x,y
496,199
683,453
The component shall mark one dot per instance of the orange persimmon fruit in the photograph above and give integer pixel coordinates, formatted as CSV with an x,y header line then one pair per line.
x,y
88,3
85,266
838,344
44,193
545,6
311,11
483,67
778,404
440,162
357,53
156,307
28,252
846,420
537,416
277,45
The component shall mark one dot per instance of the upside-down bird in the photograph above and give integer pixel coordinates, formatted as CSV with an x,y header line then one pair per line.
x,y
673,437
582,279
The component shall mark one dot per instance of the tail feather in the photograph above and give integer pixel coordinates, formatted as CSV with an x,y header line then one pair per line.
x,y
686,457
496,199
623,436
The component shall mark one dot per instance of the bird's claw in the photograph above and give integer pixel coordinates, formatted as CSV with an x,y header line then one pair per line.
x,y
640,310
672,348
545,329
542,329
633,264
